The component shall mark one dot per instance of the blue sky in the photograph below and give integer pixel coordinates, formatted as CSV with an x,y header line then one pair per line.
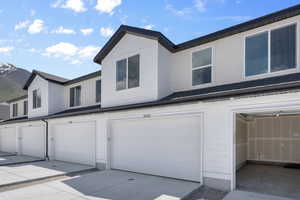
x,y
62,36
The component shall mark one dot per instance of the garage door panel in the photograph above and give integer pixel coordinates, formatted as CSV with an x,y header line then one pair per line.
x,y
75,142
168,146
33,141
8,140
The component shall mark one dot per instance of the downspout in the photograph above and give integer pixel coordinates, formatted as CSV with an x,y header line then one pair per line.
x,y
47,139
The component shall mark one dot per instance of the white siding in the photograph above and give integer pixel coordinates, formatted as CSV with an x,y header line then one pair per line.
x,y
88,93
56,98
228,59
218,127
20,108
128,46
164,69
43,85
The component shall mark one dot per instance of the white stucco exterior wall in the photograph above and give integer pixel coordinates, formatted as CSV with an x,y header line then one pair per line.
x,y
131,45
56,98
228,59
42,84
20,108
88,93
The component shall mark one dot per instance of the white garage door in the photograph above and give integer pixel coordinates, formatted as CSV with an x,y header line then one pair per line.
x,y
32,141
75,142
164,146
8,140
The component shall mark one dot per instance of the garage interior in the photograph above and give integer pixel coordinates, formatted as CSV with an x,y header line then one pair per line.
x,y
268,153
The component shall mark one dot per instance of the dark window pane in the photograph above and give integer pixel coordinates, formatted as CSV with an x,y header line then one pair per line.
x,y
15,110
283,48
202,58
201,76
78,96
75,96
39,99
257,54
72,96
134,71
25,107
34,98
98,91
121,74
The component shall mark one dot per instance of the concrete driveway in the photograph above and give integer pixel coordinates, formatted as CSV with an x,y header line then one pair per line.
x,y
6,154
242,195
21,173
17,159
105,185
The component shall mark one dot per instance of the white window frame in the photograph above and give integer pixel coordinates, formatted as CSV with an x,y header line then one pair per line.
x,y
38,90
269,30
80,98
201,67
126,58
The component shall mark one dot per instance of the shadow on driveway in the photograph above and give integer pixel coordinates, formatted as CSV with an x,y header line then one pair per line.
x,y
121,185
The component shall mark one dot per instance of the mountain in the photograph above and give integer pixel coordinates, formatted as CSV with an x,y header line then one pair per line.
x,y
12,80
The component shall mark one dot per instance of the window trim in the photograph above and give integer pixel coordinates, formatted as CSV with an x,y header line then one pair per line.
x,y
98,102
202,67
270,73
126,58
15,114
71,107
37,107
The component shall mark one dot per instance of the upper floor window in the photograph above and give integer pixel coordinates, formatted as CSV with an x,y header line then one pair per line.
x,y
25,104
75,96
15,110
202,66
128,73
98,91
271,51
36,98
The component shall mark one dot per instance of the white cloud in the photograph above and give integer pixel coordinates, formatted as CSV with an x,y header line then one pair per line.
x,y
88,51
22,25
176,12
36,27
62,30
107,6
106,32
61,49
149,26
200,5
86,31
75,5
70,52
6,50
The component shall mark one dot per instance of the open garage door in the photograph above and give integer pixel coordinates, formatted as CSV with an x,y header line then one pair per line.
x,y
268,153
8,140
167,146
32,141
75,142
